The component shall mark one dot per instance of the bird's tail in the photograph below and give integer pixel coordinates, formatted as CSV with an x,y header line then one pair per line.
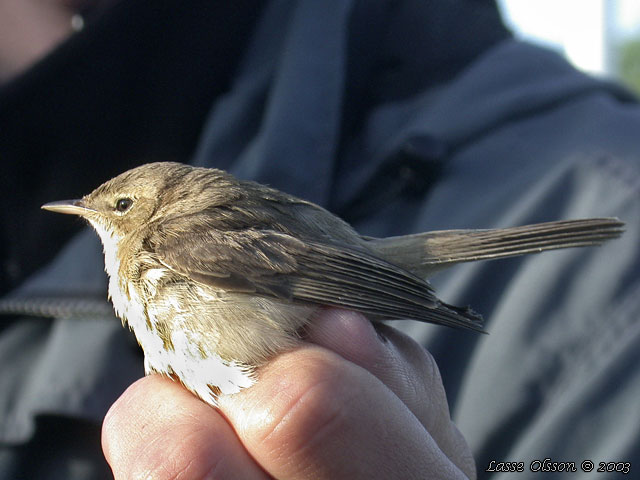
x,y
427,253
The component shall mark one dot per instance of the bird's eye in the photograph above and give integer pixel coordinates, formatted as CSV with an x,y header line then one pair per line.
x,y
123,204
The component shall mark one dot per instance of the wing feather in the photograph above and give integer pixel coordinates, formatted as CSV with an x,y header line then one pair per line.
x,y
272,263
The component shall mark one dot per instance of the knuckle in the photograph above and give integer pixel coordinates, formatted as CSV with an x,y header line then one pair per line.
x,y
163,459
322,408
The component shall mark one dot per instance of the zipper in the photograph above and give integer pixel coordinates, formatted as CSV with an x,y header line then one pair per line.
x,y
56,307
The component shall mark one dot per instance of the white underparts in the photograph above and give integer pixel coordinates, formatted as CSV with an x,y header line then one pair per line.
x,y
196,369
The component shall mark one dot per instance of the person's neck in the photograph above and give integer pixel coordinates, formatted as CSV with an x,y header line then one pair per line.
x,y
29,29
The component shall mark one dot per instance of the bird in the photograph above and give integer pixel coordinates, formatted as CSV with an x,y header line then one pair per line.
x,y
216,275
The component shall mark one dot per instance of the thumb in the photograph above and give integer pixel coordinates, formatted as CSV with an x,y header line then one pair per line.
x,y
312,414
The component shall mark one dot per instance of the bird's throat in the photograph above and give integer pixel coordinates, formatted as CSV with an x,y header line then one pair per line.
x,y
110,244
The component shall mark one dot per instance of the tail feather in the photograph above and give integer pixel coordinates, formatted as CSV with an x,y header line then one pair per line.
x,y
426,253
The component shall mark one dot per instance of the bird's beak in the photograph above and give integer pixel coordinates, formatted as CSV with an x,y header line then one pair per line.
x,y
74,207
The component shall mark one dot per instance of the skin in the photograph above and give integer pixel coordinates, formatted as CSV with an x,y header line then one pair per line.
x,y
353,402
29,29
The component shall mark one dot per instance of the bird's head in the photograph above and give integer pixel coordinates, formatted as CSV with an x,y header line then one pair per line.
x,y
121,205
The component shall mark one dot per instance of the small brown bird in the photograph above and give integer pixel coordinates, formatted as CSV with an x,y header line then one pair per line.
x,y
215,275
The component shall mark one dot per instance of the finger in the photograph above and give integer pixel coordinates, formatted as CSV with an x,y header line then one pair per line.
x,y
312,414
159,430
400,363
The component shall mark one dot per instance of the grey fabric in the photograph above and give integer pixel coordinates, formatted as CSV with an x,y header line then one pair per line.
x,y
507,135
73,366
523,138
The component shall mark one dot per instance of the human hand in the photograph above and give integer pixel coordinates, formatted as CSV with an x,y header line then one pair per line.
x,y
352,404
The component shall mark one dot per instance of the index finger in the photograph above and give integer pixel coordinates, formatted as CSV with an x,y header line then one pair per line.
x,y
157,429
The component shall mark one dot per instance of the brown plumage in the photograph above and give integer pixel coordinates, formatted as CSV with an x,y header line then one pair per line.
x,y
215,275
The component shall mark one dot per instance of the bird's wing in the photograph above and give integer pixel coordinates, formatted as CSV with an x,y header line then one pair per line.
x,y
271,263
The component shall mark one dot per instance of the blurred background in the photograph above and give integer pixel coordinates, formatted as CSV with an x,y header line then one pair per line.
x,y
601,37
